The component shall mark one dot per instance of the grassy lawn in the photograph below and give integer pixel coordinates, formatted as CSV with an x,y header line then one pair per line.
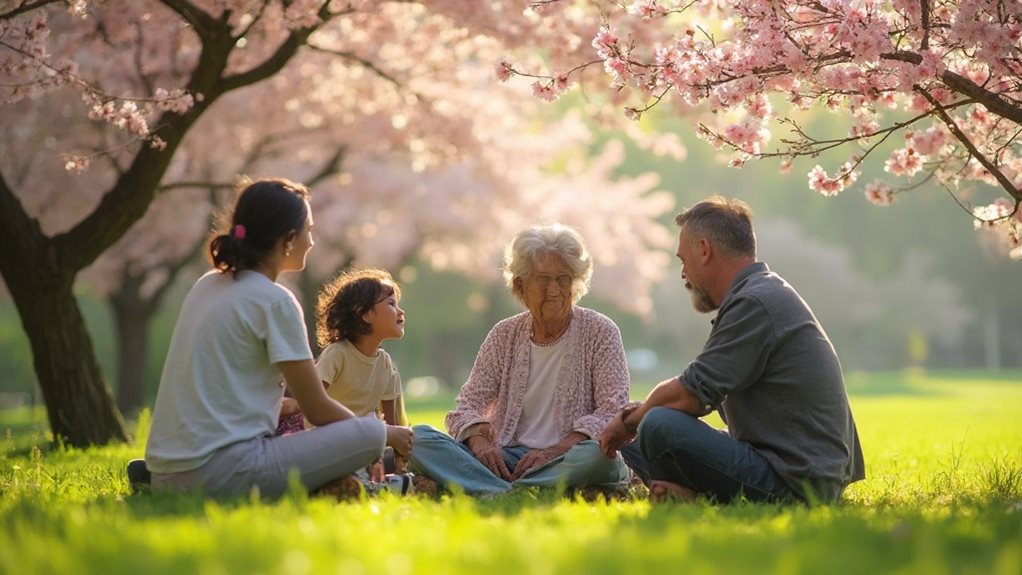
x,y
944,495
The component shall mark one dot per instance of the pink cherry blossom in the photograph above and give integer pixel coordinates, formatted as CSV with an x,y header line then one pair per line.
x,y
879,193
886,65
502,69
821,182
647,9
605,43
904,162
544,90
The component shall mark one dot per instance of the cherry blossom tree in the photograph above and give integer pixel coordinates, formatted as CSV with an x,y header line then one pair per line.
x,y
313,89
940,79
373,207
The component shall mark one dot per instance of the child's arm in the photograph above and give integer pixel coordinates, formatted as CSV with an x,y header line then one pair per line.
x,y
389,409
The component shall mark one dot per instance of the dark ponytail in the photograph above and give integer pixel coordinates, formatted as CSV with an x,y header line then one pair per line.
x,y
265,211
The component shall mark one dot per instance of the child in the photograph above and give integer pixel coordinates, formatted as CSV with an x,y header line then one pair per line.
x,y
357,312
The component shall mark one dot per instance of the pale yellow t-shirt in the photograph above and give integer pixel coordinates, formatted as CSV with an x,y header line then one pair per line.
x,y
358,381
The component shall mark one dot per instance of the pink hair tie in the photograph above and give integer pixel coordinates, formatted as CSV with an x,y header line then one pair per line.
x,y
239,232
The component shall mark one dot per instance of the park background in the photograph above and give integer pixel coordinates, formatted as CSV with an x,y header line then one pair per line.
x,y
923,310
911,285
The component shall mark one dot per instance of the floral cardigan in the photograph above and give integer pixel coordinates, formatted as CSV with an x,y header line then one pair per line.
x,y
591,388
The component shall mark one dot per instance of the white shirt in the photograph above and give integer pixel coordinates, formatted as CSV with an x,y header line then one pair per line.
x,y
360,382
537,427
220,383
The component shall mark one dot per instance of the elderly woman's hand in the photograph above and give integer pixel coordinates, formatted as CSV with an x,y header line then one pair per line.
x,y
536,458
487,452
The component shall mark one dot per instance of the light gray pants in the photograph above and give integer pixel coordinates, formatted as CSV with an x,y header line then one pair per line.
x,y
319,455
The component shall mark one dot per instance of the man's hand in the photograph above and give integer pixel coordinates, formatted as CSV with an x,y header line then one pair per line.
x,y
487,452
617,433
400,438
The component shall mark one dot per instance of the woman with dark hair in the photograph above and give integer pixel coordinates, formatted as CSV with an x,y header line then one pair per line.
x,y
239,338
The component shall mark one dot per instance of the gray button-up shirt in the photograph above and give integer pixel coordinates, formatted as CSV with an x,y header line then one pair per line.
x,y
771,371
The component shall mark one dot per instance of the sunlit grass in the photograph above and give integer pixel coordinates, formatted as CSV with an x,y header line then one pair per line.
x,y
944,495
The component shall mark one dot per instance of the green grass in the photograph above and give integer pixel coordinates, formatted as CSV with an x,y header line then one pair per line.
x,y
944,495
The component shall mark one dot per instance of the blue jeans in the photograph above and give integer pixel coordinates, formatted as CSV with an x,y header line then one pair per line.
x,y
683,449
449,462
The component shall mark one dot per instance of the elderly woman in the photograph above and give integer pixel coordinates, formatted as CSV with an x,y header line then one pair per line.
x,y
544,384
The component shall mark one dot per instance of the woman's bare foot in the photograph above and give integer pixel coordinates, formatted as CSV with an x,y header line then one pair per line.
x,y
665,491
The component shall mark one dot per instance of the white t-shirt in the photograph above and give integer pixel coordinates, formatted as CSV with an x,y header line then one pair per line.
x,y
537,427
220,383
358,381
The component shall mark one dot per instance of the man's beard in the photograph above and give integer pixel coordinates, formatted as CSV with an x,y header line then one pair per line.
x,y
700,299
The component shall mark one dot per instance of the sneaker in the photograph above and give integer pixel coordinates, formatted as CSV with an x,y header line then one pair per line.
x,y
138,475
399,483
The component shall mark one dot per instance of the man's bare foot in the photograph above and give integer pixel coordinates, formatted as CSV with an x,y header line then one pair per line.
x,y
665,491
425,486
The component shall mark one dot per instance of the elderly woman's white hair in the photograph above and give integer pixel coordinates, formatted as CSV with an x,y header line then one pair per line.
x,y
555,239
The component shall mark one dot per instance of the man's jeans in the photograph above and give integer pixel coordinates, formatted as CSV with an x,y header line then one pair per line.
x,y
677,447
438,455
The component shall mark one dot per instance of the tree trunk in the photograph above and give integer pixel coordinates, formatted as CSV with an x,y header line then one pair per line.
x,y
132,314
79,404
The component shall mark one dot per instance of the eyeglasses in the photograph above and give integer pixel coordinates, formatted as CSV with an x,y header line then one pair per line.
x,y
563,280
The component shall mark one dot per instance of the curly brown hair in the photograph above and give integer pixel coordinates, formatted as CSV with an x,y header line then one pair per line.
x,y
345,299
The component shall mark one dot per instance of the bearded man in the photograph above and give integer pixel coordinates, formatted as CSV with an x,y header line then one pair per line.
x,y
769,370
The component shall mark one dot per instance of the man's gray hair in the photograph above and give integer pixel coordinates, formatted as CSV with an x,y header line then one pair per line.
x,y
557,239
726,222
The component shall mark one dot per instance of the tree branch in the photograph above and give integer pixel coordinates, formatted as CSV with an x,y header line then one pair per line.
x,y
332,166
359,60
973,151
27,7
924,10
991,100
278,59
194,15
134,190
